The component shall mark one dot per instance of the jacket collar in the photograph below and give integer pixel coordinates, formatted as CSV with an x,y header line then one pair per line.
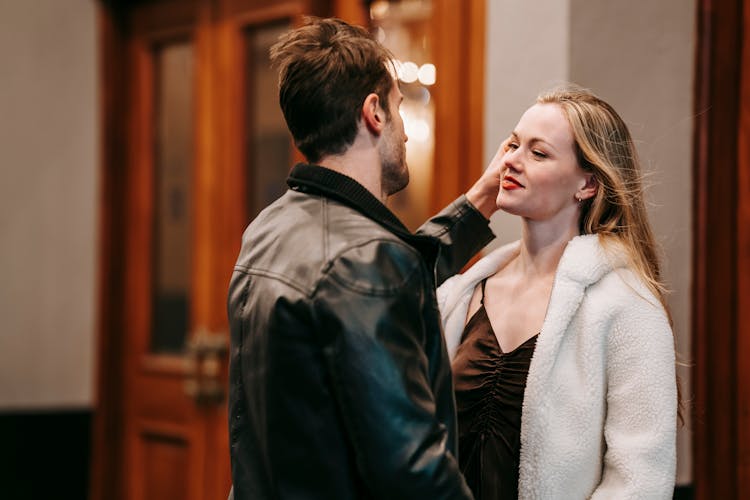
x,y
318,180
584,262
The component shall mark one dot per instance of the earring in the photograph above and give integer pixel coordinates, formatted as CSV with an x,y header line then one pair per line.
x,y
578,198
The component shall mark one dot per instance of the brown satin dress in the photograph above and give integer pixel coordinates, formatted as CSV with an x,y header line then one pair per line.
x,y
489,385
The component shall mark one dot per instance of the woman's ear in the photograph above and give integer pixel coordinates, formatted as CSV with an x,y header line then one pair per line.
x,y
373,115
589,189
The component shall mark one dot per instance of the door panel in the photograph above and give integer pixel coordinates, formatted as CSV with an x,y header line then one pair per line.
x,y
164,467
269,154
173,165
162,430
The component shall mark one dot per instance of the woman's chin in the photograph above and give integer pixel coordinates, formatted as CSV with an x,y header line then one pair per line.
x,y
502,204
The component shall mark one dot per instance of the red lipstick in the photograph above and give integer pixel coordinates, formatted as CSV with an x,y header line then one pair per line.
x,y
509,183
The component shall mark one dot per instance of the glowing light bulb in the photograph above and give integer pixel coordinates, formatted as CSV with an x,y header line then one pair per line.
x,y
409,72
379,10
426,74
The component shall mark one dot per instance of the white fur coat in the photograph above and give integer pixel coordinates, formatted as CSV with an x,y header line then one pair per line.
x,y
599,411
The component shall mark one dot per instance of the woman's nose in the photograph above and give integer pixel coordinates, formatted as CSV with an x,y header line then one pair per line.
x,y
511,159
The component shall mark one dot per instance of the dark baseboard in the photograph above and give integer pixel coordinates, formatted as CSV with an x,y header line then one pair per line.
x,y
684,492
45,454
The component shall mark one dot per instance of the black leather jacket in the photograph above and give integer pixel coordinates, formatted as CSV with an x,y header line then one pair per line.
x,y
340,383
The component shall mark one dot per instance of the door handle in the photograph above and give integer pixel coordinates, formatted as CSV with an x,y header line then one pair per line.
x,y
206,379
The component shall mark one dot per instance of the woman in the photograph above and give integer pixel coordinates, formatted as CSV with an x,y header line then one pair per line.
x,y
562,350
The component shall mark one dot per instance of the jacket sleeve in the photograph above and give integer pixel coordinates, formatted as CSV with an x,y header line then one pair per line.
x,y
370,312
640,424
461,231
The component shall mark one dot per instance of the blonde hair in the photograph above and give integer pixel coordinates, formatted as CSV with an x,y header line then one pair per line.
x,y
617,212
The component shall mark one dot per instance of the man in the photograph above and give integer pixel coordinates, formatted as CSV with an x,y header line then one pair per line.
x,y
340,381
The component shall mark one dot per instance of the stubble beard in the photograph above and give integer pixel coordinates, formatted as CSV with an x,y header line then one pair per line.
x,y
394,171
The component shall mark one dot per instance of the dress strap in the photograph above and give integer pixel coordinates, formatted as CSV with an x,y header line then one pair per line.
x,y
481,300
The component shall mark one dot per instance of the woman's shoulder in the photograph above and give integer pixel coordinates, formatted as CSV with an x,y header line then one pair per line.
x,y
604,270
622,288
622,305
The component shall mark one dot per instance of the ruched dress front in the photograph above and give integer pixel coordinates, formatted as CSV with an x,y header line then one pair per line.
x,y
489,385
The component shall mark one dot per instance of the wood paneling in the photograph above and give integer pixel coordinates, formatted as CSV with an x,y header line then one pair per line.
x,y
352,11
716,265
743,268
106,478
164,462
459,98
206,171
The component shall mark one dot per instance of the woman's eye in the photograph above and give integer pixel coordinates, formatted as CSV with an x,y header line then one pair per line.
x,y
539,154
512,145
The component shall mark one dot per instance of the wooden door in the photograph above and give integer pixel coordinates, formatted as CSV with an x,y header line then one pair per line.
x,y
197,146
193,146
170,450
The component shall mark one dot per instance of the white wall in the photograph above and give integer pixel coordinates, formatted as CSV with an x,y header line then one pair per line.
x,y
637,55
48,195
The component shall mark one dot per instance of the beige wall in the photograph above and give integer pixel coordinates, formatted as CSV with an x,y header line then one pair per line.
x,y
48,194
527,50
637,55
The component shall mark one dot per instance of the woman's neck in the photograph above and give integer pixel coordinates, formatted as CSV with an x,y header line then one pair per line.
x,y
542,246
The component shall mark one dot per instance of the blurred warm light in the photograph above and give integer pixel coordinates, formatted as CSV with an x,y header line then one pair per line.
x,y
425,97
380,34
379,9
426,74
409,72
404,27
417,129
420,130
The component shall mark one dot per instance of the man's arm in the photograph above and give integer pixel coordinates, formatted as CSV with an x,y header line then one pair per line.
x,y
369,313
462,228
461,231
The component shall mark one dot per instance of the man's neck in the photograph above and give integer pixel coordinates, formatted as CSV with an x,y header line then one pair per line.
x,y
361,163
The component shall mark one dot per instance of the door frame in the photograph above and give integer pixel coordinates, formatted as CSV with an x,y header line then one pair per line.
x,y
721,251
108,422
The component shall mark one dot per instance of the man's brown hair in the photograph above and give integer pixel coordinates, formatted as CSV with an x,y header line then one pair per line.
x,y
326,70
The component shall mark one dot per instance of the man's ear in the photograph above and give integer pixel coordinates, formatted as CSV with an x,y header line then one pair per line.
x,y
589,189
373,115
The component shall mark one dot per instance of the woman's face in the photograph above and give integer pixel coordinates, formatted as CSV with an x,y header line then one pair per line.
x,y
541,175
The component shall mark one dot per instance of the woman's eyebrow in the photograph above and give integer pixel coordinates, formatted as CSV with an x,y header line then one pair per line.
x,y
533,140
